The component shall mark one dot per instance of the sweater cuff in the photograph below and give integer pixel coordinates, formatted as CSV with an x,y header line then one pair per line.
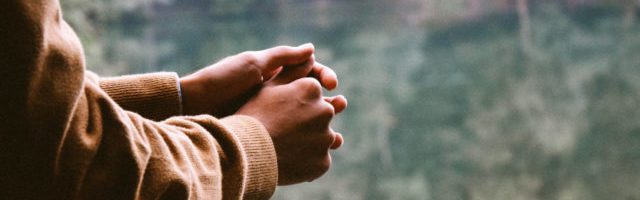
x,y
262,166
155,96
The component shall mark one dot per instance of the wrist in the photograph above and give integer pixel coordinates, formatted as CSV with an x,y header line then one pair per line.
x,y
261,174
189,88
180,98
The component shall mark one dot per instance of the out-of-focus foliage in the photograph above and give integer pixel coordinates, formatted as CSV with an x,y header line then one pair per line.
x,y
449,99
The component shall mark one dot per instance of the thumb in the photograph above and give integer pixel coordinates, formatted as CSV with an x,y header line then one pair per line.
x,y
293,72
271,59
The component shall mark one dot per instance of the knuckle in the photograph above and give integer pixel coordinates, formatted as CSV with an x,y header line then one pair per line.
x,y
283,49
320,166
326,112
250,58
324,164
310,86
328,140
328,109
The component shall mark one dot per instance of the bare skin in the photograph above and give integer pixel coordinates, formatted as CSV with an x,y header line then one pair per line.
x,y
220,89
273,86
294,112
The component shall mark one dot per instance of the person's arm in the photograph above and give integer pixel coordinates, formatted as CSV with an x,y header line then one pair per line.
x,y
155,96
63,137
219,89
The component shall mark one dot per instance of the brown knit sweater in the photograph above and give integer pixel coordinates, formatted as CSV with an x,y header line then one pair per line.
x,y
67,134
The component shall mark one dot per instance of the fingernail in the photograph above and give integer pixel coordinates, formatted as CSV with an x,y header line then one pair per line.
x,y
309,44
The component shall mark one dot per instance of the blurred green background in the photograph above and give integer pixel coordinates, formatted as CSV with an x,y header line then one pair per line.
x,y
449,99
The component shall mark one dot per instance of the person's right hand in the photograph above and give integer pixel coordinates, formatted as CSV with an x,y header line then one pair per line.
x,y
297,117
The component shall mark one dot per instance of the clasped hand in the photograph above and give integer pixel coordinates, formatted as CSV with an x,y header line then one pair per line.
x,y
282,88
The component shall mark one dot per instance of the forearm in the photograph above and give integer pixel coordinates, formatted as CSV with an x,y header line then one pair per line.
x,y
155,96
63,137
181,156
133,157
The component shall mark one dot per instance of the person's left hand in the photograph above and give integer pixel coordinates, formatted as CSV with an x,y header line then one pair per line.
x,y
220,89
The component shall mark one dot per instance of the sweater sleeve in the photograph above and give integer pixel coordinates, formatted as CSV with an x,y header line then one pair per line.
x,y
155,96
64,137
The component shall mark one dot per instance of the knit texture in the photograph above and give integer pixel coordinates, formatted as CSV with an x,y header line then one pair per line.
x,y
261,161
154,96
67,134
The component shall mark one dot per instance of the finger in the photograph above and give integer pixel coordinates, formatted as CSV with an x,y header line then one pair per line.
x,y
291,73
339,103
326,141
320,168
269,75
325,75
271,59
337,142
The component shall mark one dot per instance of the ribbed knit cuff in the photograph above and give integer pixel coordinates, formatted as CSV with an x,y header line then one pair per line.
x,y
262,165
155,96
